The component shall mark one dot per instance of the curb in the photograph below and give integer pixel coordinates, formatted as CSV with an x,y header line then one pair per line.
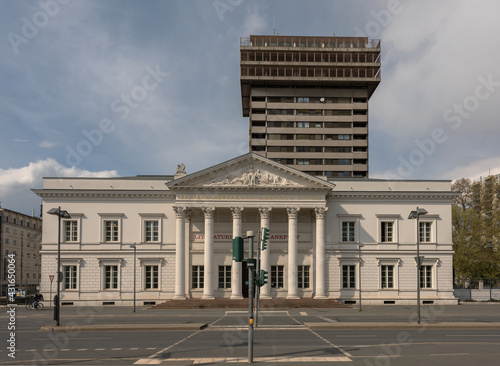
x,y
121,327
402,325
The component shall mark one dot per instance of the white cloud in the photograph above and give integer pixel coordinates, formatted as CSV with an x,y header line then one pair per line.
x,y
436,57
254,22
16,183
475,169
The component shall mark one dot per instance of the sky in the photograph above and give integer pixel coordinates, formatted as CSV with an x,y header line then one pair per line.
x,y
124,88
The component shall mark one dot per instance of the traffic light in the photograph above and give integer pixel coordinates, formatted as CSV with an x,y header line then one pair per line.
x,y
238,249
263,277
265,237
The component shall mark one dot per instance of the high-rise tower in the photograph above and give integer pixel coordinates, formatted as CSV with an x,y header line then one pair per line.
x,y
307,99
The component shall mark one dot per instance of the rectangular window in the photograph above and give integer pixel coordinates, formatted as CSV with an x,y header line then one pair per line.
x,y
426,277
387,276
349,276
303,274
151,230
197,277
348,231
70,277
224,276
111,228
110,277
277,278
70,230
386,231
151,277
425,232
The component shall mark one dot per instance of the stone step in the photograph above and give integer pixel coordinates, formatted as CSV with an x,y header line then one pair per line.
x,y
267,304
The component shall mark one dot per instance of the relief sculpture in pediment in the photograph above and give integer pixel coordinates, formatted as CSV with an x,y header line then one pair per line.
x,y
250,177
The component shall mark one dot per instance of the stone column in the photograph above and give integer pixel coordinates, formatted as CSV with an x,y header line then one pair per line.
x,y
180,257
265,260
292,253
236,289
208,254
320,291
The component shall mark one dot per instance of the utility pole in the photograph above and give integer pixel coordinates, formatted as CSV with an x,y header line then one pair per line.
x,y
251,277
257,282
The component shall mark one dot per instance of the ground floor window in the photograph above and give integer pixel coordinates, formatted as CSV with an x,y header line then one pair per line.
x,y
387,276
197,277
426,277
111,277
70,276
277,277
349,276
303,273
224,276
150,277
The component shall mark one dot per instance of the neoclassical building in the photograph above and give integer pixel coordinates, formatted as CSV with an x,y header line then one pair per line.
x,y
182,227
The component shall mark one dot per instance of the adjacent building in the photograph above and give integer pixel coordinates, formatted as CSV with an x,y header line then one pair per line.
x,y
307,100
182,228
20,235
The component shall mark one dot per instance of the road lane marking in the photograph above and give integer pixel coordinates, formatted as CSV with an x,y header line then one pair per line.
x,y
448,354
303,313
152,357
355,336
211,360
325,340
473,335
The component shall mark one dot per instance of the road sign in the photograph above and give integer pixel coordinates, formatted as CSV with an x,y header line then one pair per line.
x,y
51,278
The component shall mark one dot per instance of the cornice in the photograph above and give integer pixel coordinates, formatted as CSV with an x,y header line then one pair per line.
x,y
117,194
407,195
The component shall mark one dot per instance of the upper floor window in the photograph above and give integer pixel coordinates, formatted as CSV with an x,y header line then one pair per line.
x,y
111,230
70,230
151,230
348,231
387,231
425,232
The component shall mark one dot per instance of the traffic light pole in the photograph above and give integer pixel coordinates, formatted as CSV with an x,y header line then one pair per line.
x,y
257,279
251,276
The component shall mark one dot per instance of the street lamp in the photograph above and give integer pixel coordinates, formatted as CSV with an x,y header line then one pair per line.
x,y
65,215
135,253
360,245
416,215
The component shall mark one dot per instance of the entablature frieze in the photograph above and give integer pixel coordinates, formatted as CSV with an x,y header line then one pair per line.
x,y
164,195
393,196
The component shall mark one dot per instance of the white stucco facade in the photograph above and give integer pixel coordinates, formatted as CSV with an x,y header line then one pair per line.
x,y
183,227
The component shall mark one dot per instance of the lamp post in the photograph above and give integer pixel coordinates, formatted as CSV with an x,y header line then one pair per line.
x,y
360,245
416,215
65,215
135,253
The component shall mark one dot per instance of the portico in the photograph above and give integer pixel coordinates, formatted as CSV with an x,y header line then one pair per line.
x,y
292,205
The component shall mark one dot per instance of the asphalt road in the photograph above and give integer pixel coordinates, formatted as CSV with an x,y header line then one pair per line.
x,y
281,338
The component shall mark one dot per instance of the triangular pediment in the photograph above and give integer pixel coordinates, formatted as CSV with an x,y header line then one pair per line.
x,y
250,171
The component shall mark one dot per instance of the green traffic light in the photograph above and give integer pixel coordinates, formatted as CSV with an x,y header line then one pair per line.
x,y
265,237
263,277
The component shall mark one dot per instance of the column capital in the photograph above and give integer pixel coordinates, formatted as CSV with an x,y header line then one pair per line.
x,y
208,211
180,212
320,212
236,211
292,212
264,212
